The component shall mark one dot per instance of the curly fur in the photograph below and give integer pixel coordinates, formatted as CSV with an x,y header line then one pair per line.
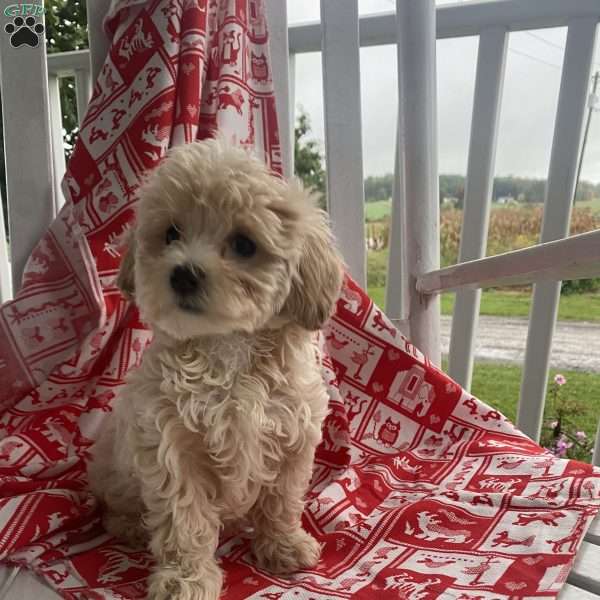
x,y
219,424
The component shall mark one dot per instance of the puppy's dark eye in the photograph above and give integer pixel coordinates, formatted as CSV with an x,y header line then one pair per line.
x,y
172,235
243,246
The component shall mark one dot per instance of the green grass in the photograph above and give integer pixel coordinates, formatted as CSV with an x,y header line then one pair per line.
x,y
375,211
593,204
498,385
500,303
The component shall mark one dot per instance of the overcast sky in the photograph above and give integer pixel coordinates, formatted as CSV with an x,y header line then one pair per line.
x,y
528,106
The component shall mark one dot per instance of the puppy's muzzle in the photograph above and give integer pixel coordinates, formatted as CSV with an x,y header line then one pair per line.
x,y
187,280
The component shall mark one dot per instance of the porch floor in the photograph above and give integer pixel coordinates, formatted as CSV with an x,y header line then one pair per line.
x,y
583,582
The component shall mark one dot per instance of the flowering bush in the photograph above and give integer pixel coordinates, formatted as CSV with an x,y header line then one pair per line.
x,y
559,434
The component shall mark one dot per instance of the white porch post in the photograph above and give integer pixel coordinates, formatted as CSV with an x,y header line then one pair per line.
x,y
29,171
99,44
491,60
343,131
418,148
280,61
560,189
596,457
5,274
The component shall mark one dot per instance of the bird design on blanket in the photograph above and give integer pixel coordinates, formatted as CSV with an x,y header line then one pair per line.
x,y
335,342
510,465
435,564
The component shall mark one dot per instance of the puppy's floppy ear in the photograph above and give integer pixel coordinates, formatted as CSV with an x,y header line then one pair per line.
x,y
126,275
317,284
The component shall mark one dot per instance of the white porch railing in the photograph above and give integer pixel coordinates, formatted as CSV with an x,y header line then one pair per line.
x,y
32,118
414,278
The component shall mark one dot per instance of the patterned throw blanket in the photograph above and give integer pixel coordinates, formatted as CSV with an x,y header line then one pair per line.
x,y
420,491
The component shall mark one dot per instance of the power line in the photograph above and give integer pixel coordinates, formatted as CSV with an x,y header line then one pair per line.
x,y
543,39
587,130
537,59
552,44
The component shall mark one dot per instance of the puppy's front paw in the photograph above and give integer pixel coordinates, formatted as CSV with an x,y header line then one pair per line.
x,y
286,554
172,584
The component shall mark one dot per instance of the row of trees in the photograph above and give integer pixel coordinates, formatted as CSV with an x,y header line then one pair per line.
x,y
522,189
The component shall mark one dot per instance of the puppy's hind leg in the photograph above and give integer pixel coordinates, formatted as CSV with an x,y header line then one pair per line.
x,y
113,482
280,544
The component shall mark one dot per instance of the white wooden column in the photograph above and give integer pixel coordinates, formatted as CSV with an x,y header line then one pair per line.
x,y
28,155
5,274
343,136
83,92
396,291
560,188
292,109
596,457
491,61
99,43
418,140
56,132
278,44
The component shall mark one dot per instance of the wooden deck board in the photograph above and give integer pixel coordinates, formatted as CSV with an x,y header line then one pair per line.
x,y
571,592
586,570
593,534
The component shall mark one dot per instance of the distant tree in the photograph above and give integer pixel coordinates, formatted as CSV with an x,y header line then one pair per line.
x,y
522,189
452,186
66,30
308,160
378,187
587,191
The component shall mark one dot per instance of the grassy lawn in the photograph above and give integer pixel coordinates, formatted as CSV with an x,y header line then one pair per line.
x,y
498,385
593,204
575,307
375,211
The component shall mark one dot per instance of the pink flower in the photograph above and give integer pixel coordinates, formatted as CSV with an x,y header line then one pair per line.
x,y
562,445
558,451
560,379
581,435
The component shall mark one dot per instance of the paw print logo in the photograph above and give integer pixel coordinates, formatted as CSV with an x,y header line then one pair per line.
x,y
24,31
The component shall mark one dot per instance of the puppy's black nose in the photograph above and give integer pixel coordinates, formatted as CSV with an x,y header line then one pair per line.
x,y
185,280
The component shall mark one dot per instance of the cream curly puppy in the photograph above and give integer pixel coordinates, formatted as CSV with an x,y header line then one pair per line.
x,y
233,269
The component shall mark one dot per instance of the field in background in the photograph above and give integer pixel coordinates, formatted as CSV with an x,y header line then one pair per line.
x,y
505,303
593,205
499,385
511,227
375,211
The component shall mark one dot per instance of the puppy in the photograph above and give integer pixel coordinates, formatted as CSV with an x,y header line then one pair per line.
x,y
233,269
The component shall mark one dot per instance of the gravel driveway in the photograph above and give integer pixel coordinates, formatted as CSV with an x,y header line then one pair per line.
x,y
576,344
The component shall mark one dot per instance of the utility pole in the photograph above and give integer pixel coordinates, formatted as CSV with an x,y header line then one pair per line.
x,y
592,99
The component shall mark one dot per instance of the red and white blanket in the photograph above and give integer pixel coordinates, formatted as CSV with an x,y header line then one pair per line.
x,y
420,491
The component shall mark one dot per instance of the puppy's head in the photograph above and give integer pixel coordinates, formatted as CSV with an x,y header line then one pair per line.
x,y
220,246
